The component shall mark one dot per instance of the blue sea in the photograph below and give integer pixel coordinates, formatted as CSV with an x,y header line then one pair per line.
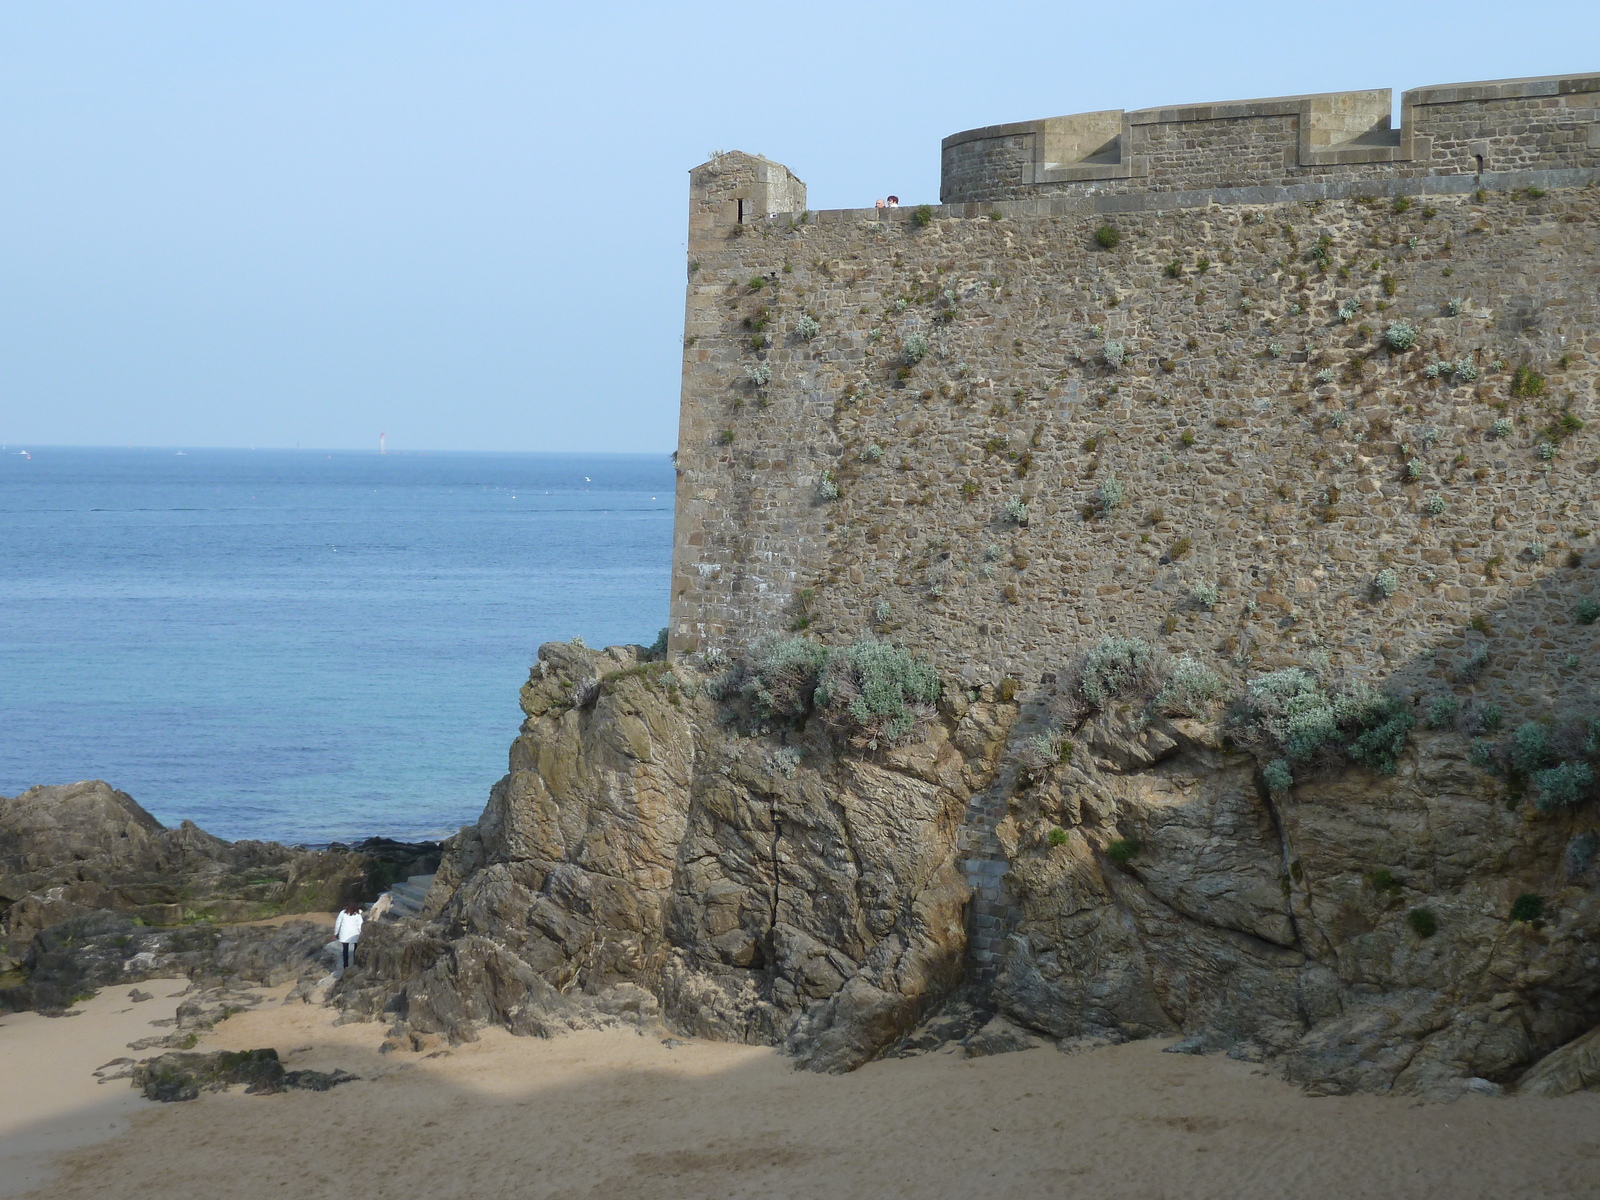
x,y
303,645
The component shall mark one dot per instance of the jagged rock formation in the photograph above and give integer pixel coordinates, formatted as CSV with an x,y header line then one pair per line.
x,y
1285,929
646,854
774,890
95,891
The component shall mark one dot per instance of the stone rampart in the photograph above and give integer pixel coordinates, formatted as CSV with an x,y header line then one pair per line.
x,y
976,430
1457,129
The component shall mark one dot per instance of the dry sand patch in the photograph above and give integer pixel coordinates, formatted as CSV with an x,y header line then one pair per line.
x,y
49,1099
617,1115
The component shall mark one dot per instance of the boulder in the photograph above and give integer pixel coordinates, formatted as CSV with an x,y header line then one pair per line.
x,y
1574,1067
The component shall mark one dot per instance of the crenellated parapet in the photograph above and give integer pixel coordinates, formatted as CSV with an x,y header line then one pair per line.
x,y
1548,123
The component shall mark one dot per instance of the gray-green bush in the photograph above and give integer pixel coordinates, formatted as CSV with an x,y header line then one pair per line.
x,y
1187,687
1290,711
871,691
1473,667
1039,751
1530,748
1563,786
1116,666
1401,335
1278,776
876,691
782,675
1442,712
1110,494
1131,668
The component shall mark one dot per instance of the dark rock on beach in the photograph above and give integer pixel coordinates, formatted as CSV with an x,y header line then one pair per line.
x,y
183,1076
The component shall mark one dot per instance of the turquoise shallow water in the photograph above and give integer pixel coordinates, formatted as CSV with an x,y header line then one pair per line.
x,y
306,646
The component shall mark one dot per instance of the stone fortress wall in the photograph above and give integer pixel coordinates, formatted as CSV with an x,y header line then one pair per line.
x,y
1463,129
1216,427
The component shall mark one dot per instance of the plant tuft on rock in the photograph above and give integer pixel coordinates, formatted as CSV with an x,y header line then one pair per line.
x,y
1530,748
1278,776
1122,850
1400,336
1422,921
1527,907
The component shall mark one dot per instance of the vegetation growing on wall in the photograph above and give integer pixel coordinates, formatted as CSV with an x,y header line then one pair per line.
x,y
872,692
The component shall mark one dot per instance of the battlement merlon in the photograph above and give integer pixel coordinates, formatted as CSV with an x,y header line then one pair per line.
x,y
1546,123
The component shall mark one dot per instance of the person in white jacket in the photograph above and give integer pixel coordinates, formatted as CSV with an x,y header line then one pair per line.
x,y
347,931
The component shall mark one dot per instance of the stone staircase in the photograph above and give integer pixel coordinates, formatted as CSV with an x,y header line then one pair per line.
x,y
405,899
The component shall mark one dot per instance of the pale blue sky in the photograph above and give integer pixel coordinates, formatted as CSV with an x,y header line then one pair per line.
x,y
228,224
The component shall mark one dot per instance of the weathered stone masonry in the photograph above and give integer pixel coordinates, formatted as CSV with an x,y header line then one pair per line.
x,y
1261,444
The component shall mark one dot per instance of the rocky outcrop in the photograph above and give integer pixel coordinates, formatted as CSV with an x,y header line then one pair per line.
x,y
95,891
778,888
655,852
1358,929
77,957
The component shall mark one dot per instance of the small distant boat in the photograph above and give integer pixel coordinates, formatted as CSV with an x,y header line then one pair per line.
x,y
25,455
180,454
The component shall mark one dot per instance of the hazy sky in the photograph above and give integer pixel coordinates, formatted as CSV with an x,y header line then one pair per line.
x,y
228,224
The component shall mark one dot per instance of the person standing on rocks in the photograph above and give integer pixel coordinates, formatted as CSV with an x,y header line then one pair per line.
x,y
347,932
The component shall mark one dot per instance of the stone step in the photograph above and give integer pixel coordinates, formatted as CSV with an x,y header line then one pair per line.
x,y
407,897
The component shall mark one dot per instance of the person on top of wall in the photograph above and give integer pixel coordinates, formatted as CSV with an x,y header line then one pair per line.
x,y
894,201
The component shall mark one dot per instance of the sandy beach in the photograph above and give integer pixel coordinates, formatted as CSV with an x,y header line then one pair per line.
x,y
617,1114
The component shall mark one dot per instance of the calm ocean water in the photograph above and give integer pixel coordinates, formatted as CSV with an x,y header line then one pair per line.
x,y
302,645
